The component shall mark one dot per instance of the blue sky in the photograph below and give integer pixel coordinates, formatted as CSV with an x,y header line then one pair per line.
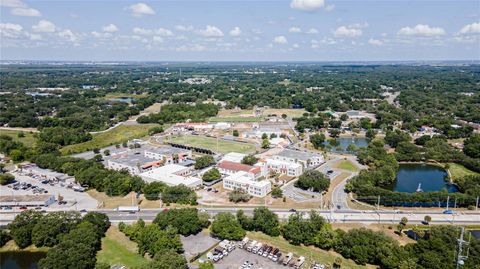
x,y
228,30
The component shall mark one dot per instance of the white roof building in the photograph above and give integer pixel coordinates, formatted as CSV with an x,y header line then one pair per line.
x,y
234,157
283,167
173,175
241,180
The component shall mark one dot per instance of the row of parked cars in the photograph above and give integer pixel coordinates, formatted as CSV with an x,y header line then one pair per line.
x,y
26,187
272,253
223,249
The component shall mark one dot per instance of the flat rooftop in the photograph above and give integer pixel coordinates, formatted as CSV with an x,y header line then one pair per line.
x,y
296,154
24,198
131,158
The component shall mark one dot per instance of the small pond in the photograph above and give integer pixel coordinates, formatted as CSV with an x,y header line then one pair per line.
x,y
122,99
430,178
20,259
342,143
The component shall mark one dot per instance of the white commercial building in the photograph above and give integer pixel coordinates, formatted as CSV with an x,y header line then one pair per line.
x,y
306,159
283,167
243,181
173,175
168,153
234,157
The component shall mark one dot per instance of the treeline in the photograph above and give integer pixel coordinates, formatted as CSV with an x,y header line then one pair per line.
x,y
173,113
381,175
435,249
74,241
161,239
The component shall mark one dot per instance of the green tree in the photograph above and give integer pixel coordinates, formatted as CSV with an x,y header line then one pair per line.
x,y
277,192
238,195
152,190
6,178
225,226
370,134
211,175
168,259
334,133
266,221
21,227
265,143
186,220
250,159
313,179
204,161
427,219
235,133
317,140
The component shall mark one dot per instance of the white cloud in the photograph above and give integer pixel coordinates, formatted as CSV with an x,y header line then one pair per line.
x,y
473,28
25,12
111,28
12,3
157,39
235,31
140,9
69,35
34,37
307,5
44,26
296,46
312,31
159,32
280,40
294,30
421,30
330,7
375,42
210,31
101,35
189,48
347,31
11,30
184,28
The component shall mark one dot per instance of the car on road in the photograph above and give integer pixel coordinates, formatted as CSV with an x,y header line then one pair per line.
x,y
449,212
292,210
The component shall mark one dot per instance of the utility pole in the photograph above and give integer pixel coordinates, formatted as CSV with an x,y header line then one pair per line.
x,y
455,205
448,200
378,203
476,205
461,243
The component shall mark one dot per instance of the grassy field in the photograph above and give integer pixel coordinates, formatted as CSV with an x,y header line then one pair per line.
x,y
311,254
211,143
235,119
117,249
459,171
28,140
115,136
293,113
346,165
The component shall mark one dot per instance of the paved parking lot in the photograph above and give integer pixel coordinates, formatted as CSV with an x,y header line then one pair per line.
x,y
236,258
76,200
198,243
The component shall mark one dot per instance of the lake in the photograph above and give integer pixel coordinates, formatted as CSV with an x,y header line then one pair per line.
x,y
20,259
431,177
343,142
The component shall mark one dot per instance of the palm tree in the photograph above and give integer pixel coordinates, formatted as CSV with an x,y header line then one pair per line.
x,y
404,221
